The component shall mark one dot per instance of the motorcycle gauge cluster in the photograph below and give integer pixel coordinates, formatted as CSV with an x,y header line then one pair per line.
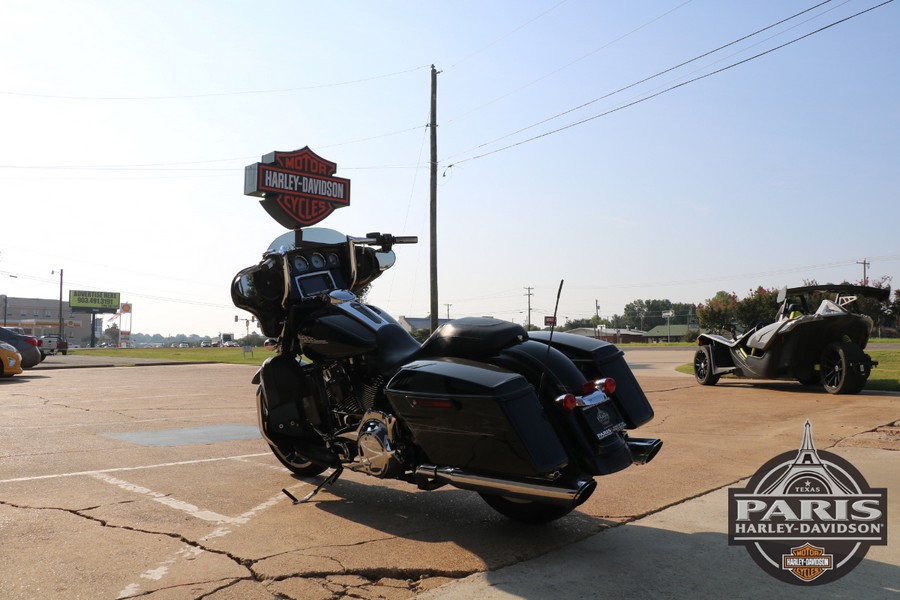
x,y
316,262
301,265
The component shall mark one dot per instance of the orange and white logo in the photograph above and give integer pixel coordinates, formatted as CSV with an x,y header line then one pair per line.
x,y
298,188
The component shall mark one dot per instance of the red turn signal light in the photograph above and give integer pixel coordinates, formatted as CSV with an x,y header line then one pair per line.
x,y
607,385
567,402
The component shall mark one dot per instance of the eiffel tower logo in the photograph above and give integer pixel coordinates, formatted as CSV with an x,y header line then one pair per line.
x,y
808,474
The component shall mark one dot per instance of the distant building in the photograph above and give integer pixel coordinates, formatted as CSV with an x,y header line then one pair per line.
x,y
40,316
613,335
674,333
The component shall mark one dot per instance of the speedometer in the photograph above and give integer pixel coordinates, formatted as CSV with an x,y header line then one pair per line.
x,y
332,259
301,265
317,261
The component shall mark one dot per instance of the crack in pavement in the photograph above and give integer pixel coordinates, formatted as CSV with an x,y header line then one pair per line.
x,y
79,512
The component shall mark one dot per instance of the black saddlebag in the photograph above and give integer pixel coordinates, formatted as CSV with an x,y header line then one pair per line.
x,y
475,416
596,359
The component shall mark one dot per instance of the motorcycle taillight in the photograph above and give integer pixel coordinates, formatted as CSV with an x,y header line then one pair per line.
x,y
607,385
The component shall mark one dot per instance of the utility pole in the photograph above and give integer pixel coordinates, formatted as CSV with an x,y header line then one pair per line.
x,y
865,264
448,310
60,302
433,233
529,294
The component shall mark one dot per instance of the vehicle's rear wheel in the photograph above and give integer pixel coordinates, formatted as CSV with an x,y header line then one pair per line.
x,y
703,366
526,511
840,368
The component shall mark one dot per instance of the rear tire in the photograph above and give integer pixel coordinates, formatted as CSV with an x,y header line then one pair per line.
x,y
526,511
837,366
703,366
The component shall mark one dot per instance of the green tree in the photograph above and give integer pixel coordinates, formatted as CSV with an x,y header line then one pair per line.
x,y
111,335
719,312
421,334
879,312
647,314
577,323
760,306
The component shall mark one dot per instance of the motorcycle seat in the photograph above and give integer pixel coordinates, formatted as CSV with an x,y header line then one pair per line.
x,y
395,347
473,337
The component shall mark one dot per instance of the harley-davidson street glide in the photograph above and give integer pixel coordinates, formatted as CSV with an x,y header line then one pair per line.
x,y
526,419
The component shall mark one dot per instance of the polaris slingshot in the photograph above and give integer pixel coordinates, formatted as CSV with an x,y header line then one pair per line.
x,y
822,345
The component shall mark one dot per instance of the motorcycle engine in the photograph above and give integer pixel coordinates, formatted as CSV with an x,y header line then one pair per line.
x,y
377,446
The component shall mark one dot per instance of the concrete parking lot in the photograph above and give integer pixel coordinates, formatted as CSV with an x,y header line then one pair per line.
x,y
152,481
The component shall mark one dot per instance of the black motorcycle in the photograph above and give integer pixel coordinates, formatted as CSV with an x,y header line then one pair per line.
x,y
526,419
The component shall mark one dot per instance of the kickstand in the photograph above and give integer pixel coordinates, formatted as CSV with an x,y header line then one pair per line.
x,y
328,480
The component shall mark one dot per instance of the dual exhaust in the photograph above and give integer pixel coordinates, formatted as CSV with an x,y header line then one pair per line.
x,y
566,493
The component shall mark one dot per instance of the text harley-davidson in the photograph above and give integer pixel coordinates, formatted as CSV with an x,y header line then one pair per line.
x,y
526,419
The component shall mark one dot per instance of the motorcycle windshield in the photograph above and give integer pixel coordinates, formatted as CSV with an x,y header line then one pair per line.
x,y
317,235
322,235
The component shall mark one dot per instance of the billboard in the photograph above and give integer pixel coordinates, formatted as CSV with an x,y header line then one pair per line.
x,y
94,302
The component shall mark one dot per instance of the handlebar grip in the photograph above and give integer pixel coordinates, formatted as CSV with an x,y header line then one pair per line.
x,y
406,239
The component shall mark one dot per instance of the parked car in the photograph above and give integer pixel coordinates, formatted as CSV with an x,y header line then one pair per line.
x,y
12,360
230,344
205,344
25,345
184,345
51,344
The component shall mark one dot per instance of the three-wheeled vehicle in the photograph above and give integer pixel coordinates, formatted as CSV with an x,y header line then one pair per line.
x,y
814,345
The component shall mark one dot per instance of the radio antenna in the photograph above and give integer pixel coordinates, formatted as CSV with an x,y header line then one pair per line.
x,y
555,310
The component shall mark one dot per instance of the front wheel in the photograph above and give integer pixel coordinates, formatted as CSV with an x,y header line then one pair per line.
x,y
842,368
703,366
526,511
296,463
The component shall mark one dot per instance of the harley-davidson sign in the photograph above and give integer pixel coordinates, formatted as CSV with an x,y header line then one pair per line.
x,y
298,188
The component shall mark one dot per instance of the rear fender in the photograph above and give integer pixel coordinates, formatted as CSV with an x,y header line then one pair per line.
x,y
556,374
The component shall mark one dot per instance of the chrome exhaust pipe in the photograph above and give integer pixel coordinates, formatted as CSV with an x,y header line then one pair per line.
x,y
571,494
643,450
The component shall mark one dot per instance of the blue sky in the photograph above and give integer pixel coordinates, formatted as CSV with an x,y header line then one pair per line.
x,y
126,127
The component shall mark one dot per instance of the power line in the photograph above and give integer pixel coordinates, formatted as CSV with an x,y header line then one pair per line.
x,y
503,37
669,89
212,94
567,65
644,80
